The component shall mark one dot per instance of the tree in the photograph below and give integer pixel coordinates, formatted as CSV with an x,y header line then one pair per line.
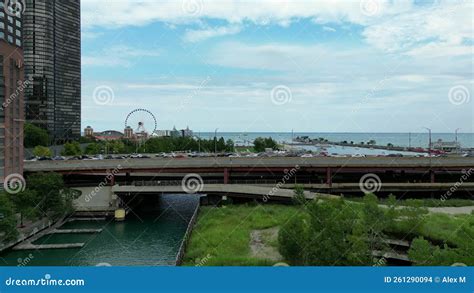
x,y
33,136
25,204
55,199
93,149
421,252
42,151
298,195
72,149
229,145
371,142
292,240
8,231
260,144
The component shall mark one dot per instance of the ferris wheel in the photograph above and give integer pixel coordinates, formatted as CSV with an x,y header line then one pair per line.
x,y
142,121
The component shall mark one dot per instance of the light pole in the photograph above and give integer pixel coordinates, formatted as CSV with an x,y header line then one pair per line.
x,y
215,142
429,146
456,138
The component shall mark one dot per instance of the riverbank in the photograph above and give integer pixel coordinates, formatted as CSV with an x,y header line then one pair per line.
x,y
234,235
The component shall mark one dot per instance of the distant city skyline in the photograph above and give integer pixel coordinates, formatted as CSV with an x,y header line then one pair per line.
x,y
348,66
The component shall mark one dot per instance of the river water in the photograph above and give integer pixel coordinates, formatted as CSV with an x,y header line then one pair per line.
x,y
141,240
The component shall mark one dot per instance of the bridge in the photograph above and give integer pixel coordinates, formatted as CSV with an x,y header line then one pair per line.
x,y
324,174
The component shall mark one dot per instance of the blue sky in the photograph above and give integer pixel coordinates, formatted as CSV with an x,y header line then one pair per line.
x,y
335,66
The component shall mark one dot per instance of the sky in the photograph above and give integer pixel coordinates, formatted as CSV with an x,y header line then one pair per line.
x,y
274,66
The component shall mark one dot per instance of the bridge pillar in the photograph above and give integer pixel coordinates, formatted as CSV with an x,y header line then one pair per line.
x,y
432,176
226,176
329,176
112,179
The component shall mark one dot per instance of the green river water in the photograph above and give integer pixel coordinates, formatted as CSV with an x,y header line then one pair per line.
x,y
146,239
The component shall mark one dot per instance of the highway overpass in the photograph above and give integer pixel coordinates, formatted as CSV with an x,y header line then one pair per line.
x,y
323,174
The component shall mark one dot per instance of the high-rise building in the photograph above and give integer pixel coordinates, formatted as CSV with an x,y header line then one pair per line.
x,y
52,51
12,85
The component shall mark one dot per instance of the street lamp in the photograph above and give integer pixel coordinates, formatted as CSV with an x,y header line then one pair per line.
x,y
456,134
215,142
429,146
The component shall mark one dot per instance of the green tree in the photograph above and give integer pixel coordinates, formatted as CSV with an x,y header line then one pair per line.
x,y
8,231
421,252
34,135
42,151
93,149
55,199
25,204
292,240
229,146
260,144
298,196
331,222
72,149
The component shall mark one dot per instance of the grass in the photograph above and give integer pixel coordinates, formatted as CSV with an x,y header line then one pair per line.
x,y
427,202
221,236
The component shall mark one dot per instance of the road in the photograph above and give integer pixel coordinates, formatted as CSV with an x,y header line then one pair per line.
x,y
446,163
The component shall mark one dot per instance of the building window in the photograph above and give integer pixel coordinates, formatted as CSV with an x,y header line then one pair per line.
x,y
18,33
10,39
18,23
2,25
2,35
10,29
18,42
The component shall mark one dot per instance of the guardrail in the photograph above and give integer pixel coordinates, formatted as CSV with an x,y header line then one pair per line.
x,y
187,235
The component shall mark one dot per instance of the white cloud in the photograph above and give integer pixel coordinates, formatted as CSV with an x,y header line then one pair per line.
x,y
119,56
193,36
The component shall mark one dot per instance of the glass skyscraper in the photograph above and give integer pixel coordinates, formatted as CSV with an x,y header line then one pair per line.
x,y
52,52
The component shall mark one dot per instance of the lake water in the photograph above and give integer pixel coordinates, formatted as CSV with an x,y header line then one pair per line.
x,y
397,139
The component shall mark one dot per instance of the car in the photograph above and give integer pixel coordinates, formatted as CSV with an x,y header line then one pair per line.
x,y
306,156
59,158
44,159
